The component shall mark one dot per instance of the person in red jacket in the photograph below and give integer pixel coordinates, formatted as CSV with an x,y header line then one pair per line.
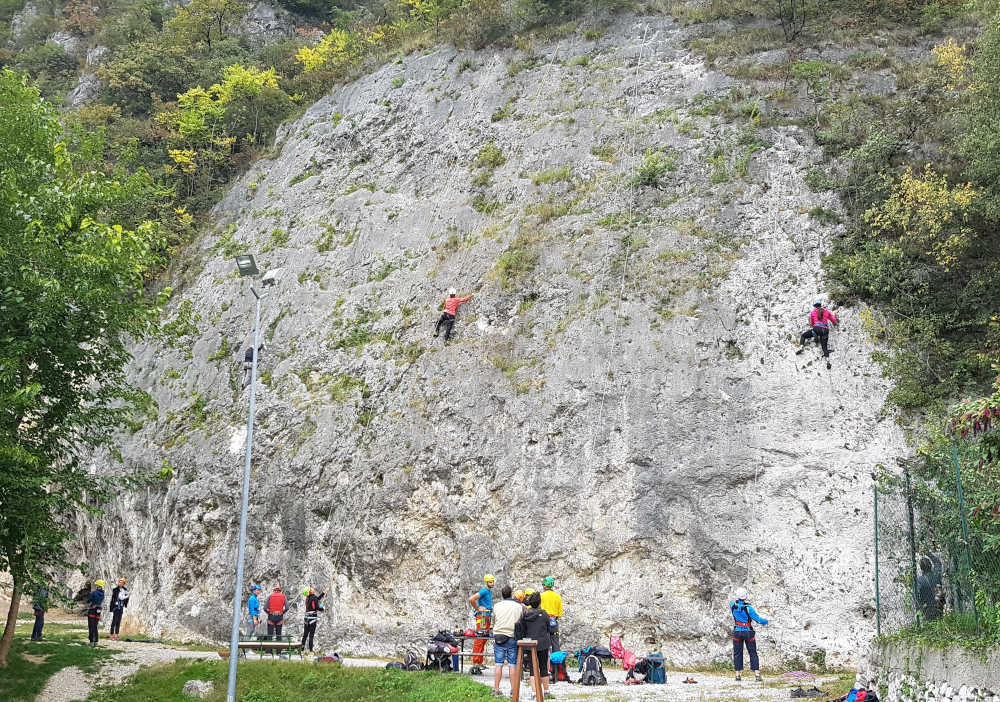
x,y
450,310
275,606
820,321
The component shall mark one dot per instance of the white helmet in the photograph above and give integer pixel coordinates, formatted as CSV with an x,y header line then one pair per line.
x,y
452,292
741,593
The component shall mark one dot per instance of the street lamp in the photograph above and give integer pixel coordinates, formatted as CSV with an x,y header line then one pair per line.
x,y
247,267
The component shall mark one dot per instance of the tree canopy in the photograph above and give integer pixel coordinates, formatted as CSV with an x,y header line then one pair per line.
x,y
73,293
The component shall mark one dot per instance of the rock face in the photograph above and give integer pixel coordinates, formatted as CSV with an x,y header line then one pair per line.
x,y
621,406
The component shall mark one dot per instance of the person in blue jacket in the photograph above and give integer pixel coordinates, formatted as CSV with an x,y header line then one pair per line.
x,y
744,616
94,604
253,610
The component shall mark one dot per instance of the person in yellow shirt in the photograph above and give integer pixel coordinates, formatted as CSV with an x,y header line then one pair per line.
x,y
553,605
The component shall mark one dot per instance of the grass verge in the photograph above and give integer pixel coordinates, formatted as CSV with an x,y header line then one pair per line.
x,y
268,681
32,663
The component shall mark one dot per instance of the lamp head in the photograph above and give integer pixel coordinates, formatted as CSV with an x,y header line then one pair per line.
x,y
246,266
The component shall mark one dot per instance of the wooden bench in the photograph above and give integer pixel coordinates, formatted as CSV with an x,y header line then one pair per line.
x,y
269,645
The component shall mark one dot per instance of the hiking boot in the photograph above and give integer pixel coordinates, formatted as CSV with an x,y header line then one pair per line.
x,y
756,677
799,351
497,693
739,676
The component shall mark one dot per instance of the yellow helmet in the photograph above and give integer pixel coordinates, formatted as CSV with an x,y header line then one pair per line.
x,y
99,583
488,578
528,591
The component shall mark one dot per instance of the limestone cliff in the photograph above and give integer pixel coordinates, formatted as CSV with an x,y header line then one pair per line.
x,y
621,406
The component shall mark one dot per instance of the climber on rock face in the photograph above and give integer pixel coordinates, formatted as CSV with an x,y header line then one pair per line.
x,y
744,616
820,321
450,310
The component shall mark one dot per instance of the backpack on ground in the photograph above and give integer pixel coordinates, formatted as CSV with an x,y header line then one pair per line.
x,y
395,665
859,695
657,672
411,662
593,671
557,663
638,672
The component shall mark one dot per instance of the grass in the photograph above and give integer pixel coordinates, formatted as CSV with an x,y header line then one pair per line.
x,y
552,175
22,680
266,682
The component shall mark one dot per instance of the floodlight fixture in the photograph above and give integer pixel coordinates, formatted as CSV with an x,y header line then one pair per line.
x,y
246,265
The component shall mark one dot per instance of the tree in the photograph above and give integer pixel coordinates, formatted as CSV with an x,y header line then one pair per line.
x,y
72,295
206,20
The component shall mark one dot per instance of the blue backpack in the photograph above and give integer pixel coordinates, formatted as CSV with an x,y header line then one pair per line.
x,y
657,673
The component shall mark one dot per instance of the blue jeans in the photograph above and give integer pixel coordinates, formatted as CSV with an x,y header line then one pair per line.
x,y
746,637
505,653
36,633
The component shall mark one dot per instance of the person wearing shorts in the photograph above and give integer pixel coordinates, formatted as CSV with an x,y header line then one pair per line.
x,y
506,615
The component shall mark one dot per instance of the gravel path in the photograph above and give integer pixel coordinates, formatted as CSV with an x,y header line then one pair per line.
x,y
71,684
710,687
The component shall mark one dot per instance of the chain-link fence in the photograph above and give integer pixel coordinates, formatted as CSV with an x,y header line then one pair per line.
x,y
932,570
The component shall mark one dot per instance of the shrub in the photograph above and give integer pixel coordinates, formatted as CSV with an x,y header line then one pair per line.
x,y
655,166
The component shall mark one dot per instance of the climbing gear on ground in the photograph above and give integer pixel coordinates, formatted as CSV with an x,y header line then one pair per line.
x,y
689,681
592,671
412,662
548,581
811,692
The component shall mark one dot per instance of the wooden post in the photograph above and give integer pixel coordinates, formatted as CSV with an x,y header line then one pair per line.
x,y
515,679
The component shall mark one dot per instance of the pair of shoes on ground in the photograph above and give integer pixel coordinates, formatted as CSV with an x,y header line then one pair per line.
x,y
811,692
689,681
756,677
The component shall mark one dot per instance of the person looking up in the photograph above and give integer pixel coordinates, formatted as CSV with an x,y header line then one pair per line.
x,y
744,616
119,601
94,604
552,603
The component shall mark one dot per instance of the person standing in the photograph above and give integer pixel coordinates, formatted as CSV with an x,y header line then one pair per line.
x,y
535,625
275,606
94,604
482,604
744,616
450,311
40,605
506,616
313,608
820,322
552,603
253,611
119,601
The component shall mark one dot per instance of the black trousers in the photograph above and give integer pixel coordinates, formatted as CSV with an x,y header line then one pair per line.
x,y
448,320
308,633
274,624
93,620
116,620
36,633
821,334
748,638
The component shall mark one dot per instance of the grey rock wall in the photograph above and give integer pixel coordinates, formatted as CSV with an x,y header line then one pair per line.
x,y
628,415
907,673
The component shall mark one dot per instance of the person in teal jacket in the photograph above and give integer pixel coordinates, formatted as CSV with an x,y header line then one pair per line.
x,y
744,615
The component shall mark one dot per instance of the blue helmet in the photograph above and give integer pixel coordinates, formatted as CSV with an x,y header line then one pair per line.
x,y
255,587
817,304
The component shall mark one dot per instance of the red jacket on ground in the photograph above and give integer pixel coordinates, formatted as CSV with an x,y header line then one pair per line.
x,y
451,304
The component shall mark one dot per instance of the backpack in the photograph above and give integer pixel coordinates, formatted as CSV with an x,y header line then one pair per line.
x,y
617,647
639,670
593,672
857,695
411,662
395,665
657,673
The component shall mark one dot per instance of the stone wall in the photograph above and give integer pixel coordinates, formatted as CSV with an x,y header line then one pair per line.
x,y
907,673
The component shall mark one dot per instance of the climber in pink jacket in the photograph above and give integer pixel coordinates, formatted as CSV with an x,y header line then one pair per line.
x,y
820,321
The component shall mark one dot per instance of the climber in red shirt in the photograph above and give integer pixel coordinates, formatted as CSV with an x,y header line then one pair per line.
x,y
450,310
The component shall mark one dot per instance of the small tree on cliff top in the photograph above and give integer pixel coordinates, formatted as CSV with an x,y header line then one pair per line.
x,y
72,294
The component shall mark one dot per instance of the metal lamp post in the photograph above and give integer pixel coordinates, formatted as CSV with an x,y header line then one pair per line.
x,y
247,267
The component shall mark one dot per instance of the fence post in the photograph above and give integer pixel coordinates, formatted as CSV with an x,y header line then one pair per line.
x,y
965,528
878,594
913,547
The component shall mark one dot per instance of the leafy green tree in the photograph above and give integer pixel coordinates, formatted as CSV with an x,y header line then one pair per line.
x,y
205,21
73,294
980,143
